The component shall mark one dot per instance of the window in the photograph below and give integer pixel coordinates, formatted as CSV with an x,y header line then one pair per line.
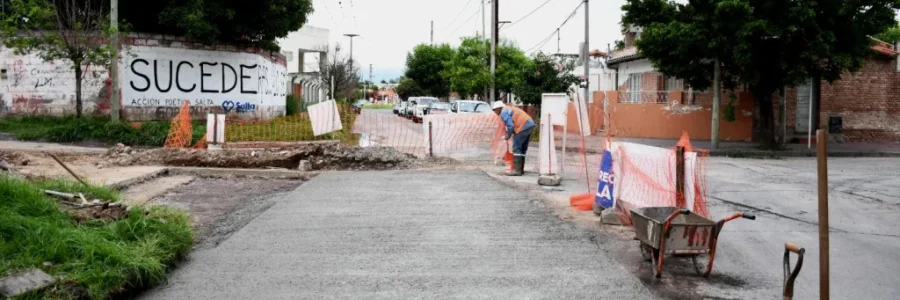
x,y
634,87
673,84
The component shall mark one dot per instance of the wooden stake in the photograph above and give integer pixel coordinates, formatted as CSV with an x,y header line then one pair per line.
x,y
824,265
67,168
679,178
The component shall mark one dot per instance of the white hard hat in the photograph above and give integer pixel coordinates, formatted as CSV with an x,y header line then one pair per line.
x,y
498,104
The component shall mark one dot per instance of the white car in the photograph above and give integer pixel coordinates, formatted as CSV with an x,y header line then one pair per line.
x,y
470,107
421,107
410,108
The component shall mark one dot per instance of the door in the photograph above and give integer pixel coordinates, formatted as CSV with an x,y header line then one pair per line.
x,y
804,102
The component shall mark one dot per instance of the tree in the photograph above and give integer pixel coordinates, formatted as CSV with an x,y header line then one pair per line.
x,y
407,88
544,75
426,64
337,66
469,70
71,31
891,35
764,45
258,23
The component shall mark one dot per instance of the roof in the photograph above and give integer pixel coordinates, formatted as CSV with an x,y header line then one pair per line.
x,y
624,55
631,53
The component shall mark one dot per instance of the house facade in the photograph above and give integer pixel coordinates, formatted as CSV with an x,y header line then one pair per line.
x,y
861,107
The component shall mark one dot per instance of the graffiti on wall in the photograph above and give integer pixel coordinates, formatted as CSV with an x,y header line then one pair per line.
x,y
30,85
166,77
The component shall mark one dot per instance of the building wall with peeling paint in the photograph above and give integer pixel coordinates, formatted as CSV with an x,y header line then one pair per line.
x,y
158,74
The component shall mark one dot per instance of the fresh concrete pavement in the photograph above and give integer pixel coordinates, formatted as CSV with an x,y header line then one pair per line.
x,y
401,235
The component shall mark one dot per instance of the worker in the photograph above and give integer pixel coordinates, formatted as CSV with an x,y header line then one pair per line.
x,y
518,127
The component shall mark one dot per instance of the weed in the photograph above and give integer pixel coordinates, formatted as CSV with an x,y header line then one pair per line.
x,y
106,258
71,130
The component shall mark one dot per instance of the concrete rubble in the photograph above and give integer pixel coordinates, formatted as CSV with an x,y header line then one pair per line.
x,y
24,282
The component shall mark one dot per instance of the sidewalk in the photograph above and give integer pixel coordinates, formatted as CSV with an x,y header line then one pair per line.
x,y
594,144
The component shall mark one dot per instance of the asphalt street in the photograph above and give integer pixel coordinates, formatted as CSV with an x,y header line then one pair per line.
x,y
404,235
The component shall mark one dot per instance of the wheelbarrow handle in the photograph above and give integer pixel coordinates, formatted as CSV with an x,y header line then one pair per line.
x,y
791,275
788,246
748,216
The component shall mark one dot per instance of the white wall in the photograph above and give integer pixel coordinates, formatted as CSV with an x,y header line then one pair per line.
x,y
28,85
237,82
308,38
631,67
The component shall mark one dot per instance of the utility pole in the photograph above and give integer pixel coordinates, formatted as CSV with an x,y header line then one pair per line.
x,y
494,33
370,71
557,40
114,69
587,54
432,32
483,30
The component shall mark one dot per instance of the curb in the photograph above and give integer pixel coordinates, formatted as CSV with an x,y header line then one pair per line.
x,y
124,184
753,153
226,172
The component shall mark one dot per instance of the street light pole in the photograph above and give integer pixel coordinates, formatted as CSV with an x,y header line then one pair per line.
x,y
351,36
494,32
114,69
587,54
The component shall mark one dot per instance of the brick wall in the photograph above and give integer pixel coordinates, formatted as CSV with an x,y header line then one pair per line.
x,y
868,102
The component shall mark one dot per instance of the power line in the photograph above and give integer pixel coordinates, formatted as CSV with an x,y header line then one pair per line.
x,y
544,41
459,13
356,25
329,15
464,23
529,14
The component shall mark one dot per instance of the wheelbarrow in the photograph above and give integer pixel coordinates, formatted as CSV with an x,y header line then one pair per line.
x,y
676,231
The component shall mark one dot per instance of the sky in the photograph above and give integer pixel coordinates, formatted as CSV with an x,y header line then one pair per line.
x,y
389,29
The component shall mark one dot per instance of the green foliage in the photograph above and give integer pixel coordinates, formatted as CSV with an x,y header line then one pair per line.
x,y
425,65
257,23
762,44
730,114
468,71
543,76
378,106
890,35
292,105
68,30
107,258
70,130
408,88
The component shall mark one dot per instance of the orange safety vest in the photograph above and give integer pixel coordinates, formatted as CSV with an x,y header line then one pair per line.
x,y
520,117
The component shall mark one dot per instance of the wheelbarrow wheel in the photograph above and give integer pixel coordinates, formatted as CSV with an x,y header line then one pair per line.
x,y
699,266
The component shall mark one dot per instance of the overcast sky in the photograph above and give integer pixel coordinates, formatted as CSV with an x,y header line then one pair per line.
x,y
389,29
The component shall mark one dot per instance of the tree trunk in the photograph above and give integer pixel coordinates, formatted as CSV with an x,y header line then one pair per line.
x,y
717,99
766,119
78,75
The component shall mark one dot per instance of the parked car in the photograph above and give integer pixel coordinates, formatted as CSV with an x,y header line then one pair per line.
x,y
410,107
402,108
357,106
470,107
438,108
421,107
397,106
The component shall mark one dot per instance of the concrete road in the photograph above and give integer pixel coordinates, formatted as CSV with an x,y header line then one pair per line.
x,y
405,235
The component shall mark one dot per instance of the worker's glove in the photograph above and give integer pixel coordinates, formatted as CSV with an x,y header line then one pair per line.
x,y
506,137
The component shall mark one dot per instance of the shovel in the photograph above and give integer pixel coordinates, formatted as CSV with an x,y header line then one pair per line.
x,y
508,157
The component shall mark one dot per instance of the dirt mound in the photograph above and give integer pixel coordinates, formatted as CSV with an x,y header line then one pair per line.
x,y
100,212
320,156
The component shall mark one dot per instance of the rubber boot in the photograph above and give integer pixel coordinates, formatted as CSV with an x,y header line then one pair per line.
x,y
518,167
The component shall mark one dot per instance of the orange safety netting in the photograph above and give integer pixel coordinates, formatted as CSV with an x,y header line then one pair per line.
x,y
646,176
180,133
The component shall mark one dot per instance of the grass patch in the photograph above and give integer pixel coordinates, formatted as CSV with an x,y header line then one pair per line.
x,y
106,258
378,106
291,129
72,130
